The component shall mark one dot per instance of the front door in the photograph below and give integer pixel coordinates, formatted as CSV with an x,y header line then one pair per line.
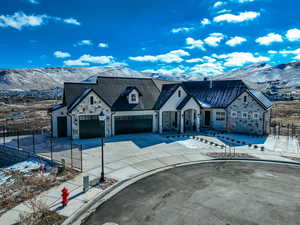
x,y
207,118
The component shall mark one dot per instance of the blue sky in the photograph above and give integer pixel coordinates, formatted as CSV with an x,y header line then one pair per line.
x,y
202,37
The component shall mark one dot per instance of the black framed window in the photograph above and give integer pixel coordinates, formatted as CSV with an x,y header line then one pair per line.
x,y
92,100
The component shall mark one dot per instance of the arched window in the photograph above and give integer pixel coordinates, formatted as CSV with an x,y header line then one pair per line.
x,y
92,100
245,98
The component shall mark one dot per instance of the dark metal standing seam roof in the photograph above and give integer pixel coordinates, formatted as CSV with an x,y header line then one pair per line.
x,y
220,95
111,90
261,98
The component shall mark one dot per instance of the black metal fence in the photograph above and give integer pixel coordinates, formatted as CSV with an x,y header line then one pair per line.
x,y
39,142
279,129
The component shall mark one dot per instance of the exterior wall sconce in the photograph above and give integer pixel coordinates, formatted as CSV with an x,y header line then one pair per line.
x,y
101,116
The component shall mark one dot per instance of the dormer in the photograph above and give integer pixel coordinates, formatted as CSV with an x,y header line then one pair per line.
x,y
133,95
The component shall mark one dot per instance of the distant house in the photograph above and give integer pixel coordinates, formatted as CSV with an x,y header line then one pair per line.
x,y
133,105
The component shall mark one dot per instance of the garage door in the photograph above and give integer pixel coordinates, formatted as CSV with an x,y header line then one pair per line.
x,y
62,126
133,124
91,127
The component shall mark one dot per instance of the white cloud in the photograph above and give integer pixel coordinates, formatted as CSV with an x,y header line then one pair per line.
x,y
19,20
84,42
218,4
170,57
243,1
181,29
272,52
86,59
214,39
96,59
295,52
76,62
60,54
293,34
194,60
231,18
224,11
72,21
192,43
33,1
269,39
205,22
235,41
208,69
241,58
102,45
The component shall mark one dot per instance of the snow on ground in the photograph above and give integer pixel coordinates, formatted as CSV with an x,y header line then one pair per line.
x,y
25,166
189,143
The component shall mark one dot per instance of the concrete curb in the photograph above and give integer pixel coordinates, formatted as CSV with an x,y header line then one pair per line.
x,y
92,205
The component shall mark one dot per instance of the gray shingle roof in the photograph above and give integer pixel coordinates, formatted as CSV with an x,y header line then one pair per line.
x,y
111,90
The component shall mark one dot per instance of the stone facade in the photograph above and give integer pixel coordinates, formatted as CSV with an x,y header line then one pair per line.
x,y
85,108
245,115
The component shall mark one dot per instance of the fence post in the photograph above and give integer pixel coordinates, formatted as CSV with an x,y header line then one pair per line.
x,y
81,158
18,140
33,141
4,133
71,153
51,149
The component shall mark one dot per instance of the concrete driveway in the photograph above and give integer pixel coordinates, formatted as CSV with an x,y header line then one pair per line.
x,y
123,150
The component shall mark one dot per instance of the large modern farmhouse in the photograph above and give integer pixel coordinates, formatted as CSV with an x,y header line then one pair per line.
x,y
117,105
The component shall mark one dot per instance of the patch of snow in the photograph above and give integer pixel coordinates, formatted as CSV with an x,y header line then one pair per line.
x,y
189,143
25,166
29,165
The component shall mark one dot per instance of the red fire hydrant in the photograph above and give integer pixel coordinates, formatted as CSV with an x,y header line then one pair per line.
x,y
64,195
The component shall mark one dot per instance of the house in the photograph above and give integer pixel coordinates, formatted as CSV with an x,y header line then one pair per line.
x,y
119,105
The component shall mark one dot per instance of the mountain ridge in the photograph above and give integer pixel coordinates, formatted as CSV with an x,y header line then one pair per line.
x,y
259,75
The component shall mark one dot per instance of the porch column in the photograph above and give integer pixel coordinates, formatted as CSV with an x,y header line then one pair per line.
x,y
160,124
181,121
198,120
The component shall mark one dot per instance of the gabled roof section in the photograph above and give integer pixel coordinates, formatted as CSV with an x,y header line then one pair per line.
x,y
128,90
111,90
166,92
185,101
81,97
219,95
260,98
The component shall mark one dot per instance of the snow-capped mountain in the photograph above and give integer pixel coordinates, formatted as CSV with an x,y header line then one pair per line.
x,y
262,74
256,75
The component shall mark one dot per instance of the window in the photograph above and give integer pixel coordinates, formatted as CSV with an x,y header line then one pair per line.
x,y
179,94
220,116
233,114
133,97
255,115
92,100
245,99
244,115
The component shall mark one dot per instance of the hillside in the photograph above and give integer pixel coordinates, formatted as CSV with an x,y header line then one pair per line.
x,y
262,76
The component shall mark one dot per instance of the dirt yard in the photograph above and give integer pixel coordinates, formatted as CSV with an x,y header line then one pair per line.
x,y
26,116
287,112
